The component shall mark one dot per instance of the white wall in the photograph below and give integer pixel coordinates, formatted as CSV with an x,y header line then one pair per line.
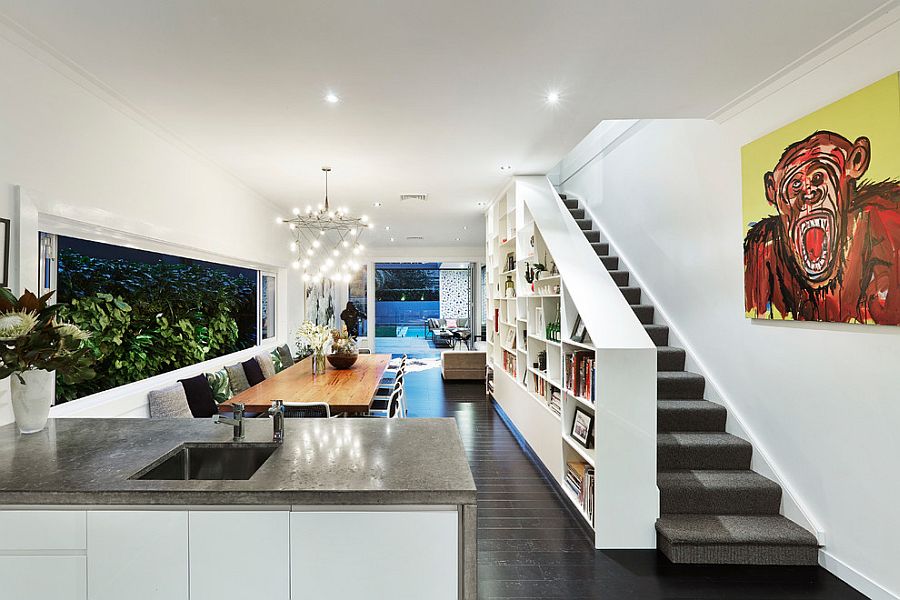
x,y
82,155
819,399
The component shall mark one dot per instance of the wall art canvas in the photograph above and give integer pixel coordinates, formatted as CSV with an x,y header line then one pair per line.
x,y
320,300
821,207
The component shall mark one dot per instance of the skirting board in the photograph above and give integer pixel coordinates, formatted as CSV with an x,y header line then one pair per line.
x,y
854,578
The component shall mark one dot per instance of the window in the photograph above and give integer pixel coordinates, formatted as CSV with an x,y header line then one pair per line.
x,y
266,306
149,313
358,287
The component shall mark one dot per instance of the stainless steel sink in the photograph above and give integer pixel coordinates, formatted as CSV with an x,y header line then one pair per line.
x,y
196,461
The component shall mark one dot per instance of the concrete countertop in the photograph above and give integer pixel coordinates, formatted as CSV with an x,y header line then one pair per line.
x,y
322,461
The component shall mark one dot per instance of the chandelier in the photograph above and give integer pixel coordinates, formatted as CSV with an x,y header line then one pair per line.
x,y
326,240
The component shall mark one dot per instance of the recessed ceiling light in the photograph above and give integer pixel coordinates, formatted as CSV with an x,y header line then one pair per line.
x,y
332,98
457,239
480,203
387,227
392,239
505,168
376,204
552,97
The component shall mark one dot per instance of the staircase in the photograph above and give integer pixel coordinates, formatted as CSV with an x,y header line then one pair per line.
x,y
714,509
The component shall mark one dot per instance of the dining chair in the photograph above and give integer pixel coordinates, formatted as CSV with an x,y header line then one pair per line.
x,y
393,409
307,410
392,371
381,401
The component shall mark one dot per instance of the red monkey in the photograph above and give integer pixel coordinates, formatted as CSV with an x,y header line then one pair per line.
x,y
832,252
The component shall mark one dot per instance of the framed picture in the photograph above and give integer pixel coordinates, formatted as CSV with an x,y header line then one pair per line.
x,y
574,335
4,246
581,427
579,331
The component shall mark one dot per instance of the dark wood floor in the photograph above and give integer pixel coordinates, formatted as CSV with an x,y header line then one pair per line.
x,y
530,546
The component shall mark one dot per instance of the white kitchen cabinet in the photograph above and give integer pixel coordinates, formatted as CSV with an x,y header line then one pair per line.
x,y
236,555
139,555
42,530
408,555
43,578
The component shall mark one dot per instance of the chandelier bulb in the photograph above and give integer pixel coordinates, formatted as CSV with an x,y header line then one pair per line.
x,y
279,220
316,243
309,252
296,211
296,264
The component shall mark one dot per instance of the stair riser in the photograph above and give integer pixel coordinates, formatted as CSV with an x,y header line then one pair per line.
x,y
632,294
577,213
601,248
735,501
738,554
671,421
644,313
680,389
659,335
584,224
569,202
670,361
620,277
592,236
674,457
610,262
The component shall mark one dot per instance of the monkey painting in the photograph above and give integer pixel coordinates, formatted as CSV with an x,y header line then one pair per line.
x,y
832,250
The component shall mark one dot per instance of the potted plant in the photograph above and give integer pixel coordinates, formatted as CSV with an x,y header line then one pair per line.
x,y
343,350
34,348
316,337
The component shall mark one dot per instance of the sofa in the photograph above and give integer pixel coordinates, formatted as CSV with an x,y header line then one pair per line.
x,y
464,364
441,334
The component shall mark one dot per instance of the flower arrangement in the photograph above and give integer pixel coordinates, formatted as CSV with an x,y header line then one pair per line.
x,y
314,336
31,338
341,342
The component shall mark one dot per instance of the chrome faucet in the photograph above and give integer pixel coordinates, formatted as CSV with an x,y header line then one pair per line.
x,y
237,420
277,413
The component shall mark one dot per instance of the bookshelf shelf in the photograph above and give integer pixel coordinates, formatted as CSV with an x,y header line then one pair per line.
x,y
571,497
585,453
582,401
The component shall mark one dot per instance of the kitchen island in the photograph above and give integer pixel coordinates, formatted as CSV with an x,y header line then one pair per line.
x,y
342,508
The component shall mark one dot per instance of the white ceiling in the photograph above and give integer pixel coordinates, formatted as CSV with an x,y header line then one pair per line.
x,y
436,96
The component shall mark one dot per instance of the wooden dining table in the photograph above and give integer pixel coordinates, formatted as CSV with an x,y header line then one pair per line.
x,y
345,390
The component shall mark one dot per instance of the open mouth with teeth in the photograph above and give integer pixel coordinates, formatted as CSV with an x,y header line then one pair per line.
x,y
813,235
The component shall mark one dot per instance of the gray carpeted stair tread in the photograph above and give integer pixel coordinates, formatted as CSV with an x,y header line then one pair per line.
x,y
658,333
702,450
676,385
632,294
577,213
690,415
584,224
592,236
620,277
731,529
717,492
601,248
669,358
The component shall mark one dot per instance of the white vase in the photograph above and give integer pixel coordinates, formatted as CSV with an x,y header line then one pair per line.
x,y
31,401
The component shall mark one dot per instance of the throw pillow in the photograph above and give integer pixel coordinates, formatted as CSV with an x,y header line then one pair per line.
x,y
220,386
264,359
169,402
199,396
451,323
237,379
276,360
253,372
287,360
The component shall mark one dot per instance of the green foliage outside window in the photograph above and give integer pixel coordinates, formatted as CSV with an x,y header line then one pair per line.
x,y
146,319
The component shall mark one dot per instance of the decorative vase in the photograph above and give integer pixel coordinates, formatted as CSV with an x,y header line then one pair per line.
x,y
342,361
318,365
31,400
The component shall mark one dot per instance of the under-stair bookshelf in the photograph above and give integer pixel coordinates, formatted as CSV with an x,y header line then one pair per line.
x,y
546,367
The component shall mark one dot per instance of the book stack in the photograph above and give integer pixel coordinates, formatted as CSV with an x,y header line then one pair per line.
x,y
580,479
540,385
580,374
509,363
555,402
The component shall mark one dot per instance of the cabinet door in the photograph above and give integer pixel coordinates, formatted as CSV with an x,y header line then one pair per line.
x,y
398,555
236,555
139,555
43,577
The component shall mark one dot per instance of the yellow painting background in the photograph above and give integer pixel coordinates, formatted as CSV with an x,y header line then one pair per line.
x,y
873,112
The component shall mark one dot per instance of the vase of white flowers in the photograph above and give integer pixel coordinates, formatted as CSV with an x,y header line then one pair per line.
x,y
317,338
34,347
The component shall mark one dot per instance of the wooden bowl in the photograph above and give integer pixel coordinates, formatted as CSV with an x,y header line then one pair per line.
x,y
342,361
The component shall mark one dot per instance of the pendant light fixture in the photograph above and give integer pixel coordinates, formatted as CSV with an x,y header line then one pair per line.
x,y
326,240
